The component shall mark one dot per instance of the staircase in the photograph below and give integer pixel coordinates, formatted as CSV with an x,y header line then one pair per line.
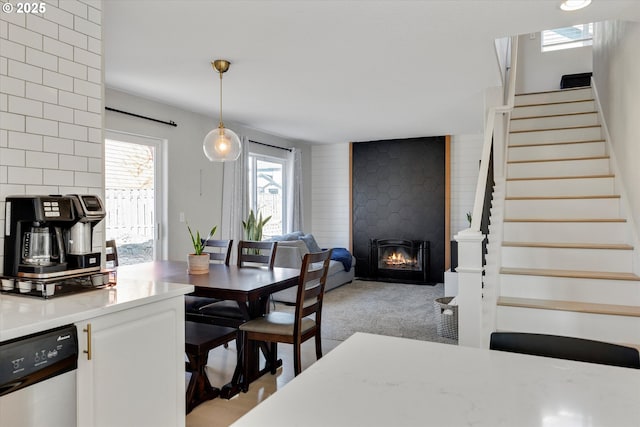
x,y
566,259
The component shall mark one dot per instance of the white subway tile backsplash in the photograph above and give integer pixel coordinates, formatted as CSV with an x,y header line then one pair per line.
x,y
87,88
4,102
89,179
57,80
88,149
12,157
72,37
59,16
17,175
88,119
74,163
11,189
4,29
42,59
42,93
95,15
27,107
4,138
87,27
43,189
71,131
94,105
24,71
58,177
3,66
95,135
72,69
73,100
12,86
41,126
95,46
95,165
85,57
74,7
11,121
60,49
38,159
3,180
94,75
25,141
96,4
58,113
23,36
57,145
12,50
42,26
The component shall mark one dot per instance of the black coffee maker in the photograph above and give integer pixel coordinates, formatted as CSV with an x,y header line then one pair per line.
x,y
50,237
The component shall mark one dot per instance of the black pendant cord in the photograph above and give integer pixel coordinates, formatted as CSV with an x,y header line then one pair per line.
x,y
170,123
271,146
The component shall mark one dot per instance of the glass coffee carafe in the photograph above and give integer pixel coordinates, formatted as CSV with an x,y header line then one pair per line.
x,y
40,247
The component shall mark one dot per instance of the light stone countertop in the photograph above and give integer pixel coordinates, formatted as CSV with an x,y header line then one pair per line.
x,y
372,380
22,315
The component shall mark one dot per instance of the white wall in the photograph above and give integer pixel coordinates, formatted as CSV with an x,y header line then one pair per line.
x,y
330,191
51,91
616,68
466,151
194,184
541,71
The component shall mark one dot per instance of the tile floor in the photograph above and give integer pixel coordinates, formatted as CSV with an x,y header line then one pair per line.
x,y
222,412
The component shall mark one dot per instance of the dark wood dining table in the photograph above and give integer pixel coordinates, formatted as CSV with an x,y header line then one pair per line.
x,y
250,286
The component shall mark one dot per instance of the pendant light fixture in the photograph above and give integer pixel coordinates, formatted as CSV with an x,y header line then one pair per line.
x,y
221,144
571,5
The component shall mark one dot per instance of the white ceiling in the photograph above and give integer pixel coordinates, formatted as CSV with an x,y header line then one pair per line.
x,y
327,71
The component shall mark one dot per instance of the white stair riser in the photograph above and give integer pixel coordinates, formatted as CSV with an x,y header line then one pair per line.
x,y
555,135
567,232
612,260
559,168
555,122
556,96
560,151
620,292
560,187
549,109
615,329
562,208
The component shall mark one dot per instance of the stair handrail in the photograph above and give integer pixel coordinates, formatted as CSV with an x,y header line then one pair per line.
x,y
489,130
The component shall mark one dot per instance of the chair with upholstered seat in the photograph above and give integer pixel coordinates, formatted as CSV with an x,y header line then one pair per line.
x,y
570,348
218,251
291,328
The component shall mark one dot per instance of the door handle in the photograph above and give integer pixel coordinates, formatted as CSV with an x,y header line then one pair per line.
x,y
88,350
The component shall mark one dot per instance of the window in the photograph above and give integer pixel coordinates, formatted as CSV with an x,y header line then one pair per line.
x,y
567,38
268,192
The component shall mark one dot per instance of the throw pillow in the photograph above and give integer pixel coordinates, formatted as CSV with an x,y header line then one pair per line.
x,y
311,243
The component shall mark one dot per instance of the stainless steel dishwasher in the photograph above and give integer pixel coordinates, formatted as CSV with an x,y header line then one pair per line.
x,y
38,379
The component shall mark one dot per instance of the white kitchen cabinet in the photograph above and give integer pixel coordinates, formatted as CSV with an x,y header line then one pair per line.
x,y
134,375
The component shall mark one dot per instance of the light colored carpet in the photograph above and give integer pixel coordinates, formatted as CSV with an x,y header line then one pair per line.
x,y
393,309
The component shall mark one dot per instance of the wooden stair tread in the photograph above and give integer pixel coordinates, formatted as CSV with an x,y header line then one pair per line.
x,y
577,274
580,307
541,178
601,196
561,159
552,115
542,144
540,104
569,89
569,245
554,129
565,220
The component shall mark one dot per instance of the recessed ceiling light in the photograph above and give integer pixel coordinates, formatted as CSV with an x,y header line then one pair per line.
x,y
570,5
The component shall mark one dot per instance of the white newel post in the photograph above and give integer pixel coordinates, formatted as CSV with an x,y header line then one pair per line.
x,y
469,287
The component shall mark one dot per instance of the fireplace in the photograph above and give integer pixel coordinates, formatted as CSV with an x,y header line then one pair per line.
x,y
398,260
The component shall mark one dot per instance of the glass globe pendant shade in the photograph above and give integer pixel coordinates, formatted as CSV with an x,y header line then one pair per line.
x,y
222,145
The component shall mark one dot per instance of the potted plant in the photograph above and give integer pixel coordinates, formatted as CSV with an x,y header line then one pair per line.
x,y
253,226
198,262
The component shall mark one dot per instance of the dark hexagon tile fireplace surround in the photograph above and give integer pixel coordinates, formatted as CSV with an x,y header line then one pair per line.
x,y
399,193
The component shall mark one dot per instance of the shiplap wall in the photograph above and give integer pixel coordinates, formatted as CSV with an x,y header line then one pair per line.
x,y
330,195
330,188
51,91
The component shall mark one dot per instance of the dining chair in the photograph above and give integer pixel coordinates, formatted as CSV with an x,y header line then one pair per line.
x,y
255,253
219,251
111,253
562,347
291,328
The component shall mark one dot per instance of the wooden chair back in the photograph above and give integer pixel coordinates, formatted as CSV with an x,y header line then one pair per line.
x,y
313,278
257,253
570,348
111,252
218,250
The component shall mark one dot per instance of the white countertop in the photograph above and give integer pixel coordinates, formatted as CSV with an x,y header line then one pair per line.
x,y
22,315
372,380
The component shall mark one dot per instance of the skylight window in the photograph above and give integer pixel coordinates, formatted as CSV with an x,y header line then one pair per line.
x,y
567,38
